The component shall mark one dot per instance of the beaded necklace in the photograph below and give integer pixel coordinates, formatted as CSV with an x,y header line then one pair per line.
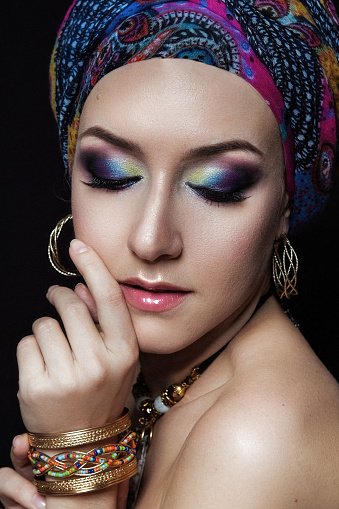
x,y
152,410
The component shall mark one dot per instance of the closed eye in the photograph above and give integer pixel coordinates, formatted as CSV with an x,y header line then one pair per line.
x,y
217,196
113,184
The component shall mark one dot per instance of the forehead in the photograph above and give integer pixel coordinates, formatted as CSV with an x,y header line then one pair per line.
x,y
182,101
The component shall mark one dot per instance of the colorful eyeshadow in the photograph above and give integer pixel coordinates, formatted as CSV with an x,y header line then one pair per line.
x,y
220,179
111,168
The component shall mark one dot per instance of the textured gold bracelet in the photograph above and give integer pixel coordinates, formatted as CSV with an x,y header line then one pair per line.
x,y
93,482
81,437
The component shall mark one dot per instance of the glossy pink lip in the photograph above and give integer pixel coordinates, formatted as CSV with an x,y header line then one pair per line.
x,y
153,297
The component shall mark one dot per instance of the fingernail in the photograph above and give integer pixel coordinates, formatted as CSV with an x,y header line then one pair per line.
x,y
15,441
83,288
78,246
39,502
80,285
51,288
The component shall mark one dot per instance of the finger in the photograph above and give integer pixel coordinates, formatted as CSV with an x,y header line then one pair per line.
x,y
29,355
84,294
113,313
17,492
81,331
19,457
53,345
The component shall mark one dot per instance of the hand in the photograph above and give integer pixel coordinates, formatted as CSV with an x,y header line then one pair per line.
x,y
16,488
81,378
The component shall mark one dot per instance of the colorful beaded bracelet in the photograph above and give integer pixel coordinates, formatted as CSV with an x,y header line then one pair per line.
x,y
63,464
92,482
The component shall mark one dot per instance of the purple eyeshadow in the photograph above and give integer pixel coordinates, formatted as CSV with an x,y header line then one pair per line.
x,y
110,168
223,179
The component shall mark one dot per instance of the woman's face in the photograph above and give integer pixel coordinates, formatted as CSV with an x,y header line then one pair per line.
x,y
178,184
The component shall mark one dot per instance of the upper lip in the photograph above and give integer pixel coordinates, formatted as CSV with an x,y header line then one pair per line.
x,y
153,287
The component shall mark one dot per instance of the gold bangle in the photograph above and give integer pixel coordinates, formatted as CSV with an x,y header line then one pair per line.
x,y
91,483
81,437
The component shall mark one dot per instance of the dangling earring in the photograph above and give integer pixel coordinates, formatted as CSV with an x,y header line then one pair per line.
x,y
285,271
53,254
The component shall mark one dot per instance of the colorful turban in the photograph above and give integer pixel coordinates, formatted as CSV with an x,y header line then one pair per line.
x,y
287,50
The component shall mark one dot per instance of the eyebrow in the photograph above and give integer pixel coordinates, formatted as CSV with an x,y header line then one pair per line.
x,y
226,146
103,134
195,153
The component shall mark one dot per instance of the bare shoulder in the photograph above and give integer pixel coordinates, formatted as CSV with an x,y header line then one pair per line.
x,y
271,439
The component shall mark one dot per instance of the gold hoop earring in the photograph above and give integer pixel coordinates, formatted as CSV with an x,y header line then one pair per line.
x,y
285,270
53,253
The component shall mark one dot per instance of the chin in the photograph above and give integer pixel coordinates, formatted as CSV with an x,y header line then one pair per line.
x,y
158,344
154,339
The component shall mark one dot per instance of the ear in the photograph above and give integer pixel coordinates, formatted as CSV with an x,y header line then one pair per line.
x,y
285,212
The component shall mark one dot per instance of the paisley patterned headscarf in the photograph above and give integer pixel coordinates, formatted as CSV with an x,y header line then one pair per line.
x,y
286,49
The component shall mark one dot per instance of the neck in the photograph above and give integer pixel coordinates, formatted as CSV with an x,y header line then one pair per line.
x,y
162,370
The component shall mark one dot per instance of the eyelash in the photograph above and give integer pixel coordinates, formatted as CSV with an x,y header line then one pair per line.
x,y
212,196
113,184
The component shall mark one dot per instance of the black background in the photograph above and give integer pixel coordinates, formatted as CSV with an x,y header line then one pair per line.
x,y
35,196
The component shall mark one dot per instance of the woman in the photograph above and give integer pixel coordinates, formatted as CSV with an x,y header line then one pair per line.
x,y
183,177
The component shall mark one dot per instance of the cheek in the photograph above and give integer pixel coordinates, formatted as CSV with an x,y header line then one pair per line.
x,y
97,223
237,248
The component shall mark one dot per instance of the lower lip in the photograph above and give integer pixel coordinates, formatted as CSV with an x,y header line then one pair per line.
x,y
152,301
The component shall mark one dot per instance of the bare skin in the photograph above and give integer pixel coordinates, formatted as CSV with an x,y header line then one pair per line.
x,y
253,425
262,443
260,428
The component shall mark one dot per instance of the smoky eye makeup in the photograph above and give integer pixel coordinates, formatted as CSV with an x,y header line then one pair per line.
x,y
113,172
222,183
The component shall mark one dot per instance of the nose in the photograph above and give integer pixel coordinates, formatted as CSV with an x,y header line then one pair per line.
x,y
154,235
